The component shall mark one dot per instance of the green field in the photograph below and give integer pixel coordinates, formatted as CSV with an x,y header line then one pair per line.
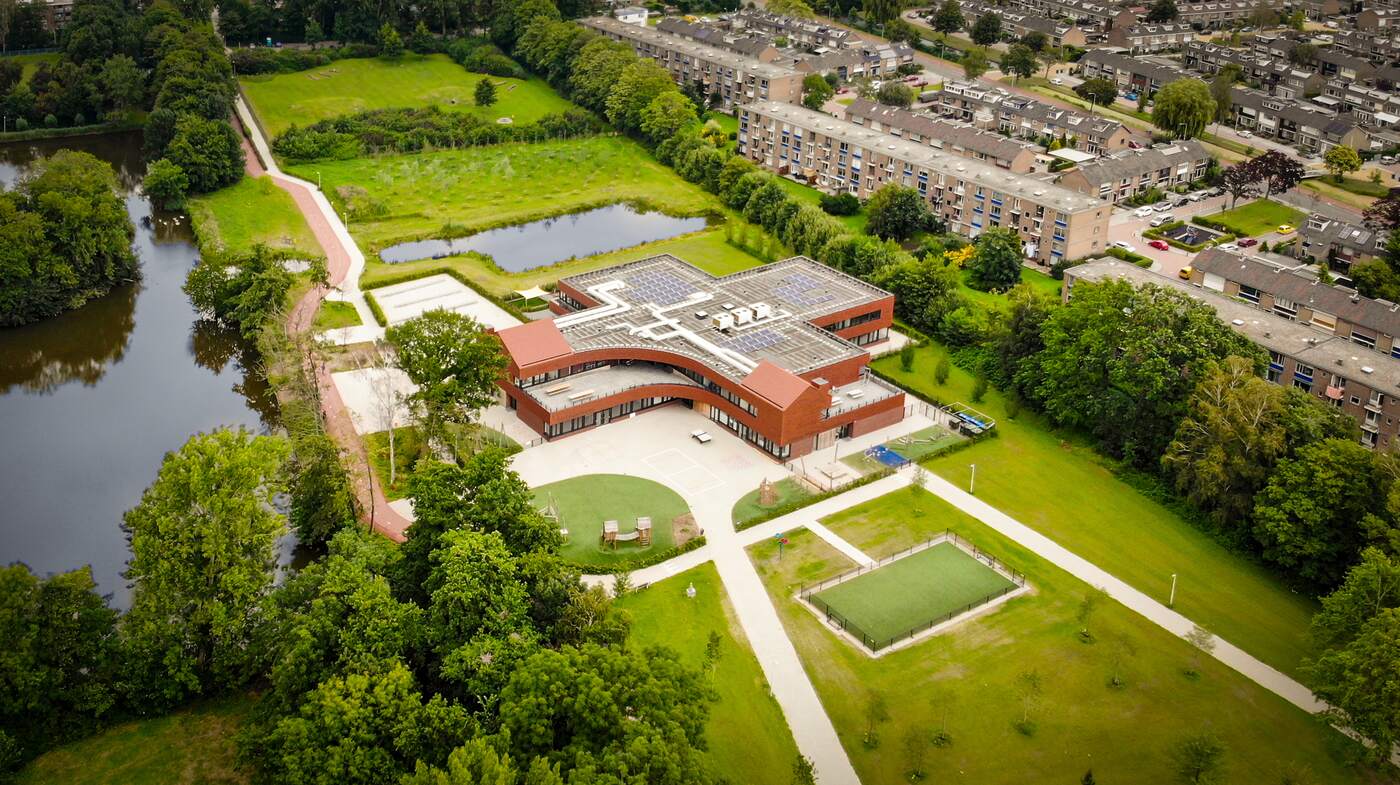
x,y
1035,279
1054,482
1259,217
193,746
249,212
856,223
967,676
910,592
334,315
786,491
456,192
584,502
747,735
349,86
916,446
30,63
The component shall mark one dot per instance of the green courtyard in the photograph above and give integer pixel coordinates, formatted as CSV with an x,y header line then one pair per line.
x,y
583,503
1259,217
964,680
350,86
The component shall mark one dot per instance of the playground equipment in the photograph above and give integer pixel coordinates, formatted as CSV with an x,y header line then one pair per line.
x,y
611,536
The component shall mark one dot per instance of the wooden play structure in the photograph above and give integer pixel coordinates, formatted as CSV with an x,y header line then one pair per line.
x,y
640,535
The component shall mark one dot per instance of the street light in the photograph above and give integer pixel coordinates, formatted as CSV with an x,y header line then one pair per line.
x,y
1171,601
972,481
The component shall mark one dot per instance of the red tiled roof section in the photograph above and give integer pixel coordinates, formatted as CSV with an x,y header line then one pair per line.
x,y
534,342
778,385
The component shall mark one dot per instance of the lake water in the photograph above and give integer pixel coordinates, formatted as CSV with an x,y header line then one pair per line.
x,y
92,400
551,240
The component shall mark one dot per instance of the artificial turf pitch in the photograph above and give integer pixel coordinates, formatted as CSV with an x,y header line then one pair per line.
x,y
912,591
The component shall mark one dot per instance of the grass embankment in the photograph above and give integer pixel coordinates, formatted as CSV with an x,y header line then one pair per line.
x,y
1259,217
1352,192
193,746
349,86
1081,723
252,211
785,491
457,192
583,503
1038,280
1054,482
856,223
748,737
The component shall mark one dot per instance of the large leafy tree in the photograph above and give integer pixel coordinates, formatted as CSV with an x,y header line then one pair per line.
x,y
1021,340
1184,108
986,30
597,68
1341,160
1242,181
996,263
1162,11
925,289
454,362
242,291
1121,362
666,115
1278,171
202,564
1222,89
1099,91
1020,61
816,91
1357,680
880,11
949,18
639,84
207,151
896,212
1371,586
974,62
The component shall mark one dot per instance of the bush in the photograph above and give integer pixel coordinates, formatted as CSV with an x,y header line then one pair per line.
x,y
941,371
1128,256
274,61
21,124
840,204
50,121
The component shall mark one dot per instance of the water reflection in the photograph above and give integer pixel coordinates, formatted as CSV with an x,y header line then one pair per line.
x,y
77,346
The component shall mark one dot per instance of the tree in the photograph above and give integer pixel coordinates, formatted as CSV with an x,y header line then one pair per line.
x,y
816,91
803,772
974,63
1099,91
1084,613
895,94
1029,686
667,115
987,29
795,8
880,11
1303,54
1371,586
996,265
421,41
390,42
166,184
713,650
1019,61
1162,11
638,85
208,151
485,92
313,34
1201,640
941,371
896,212
1357,680
1198,759
1184,108
915,753
877,712
1278,171
202,563
597,68
1341,160
1222,89
455,364
1036,41
122,82
949,18
1242,180
242,291
901,31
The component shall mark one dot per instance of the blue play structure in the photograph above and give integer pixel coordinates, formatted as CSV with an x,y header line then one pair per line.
x,y
886,456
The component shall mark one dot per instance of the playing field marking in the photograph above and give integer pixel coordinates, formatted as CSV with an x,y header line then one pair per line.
x,y
683,471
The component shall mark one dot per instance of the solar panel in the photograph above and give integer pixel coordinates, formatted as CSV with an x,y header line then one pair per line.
x,y
659,287
803,290
754,340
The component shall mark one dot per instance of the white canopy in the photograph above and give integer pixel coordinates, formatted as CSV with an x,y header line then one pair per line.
x,y
533,293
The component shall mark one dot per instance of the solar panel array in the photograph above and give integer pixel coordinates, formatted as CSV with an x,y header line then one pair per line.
x,y
752,341
659,287
802,290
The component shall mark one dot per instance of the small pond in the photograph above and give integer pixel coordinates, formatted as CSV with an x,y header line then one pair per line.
x,y
551,240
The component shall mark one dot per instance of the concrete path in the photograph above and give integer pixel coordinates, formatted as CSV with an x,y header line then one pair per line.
x,y
848,550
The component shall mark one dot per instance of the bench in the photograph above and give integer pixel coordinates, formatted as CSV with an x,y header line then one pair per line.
x,y
558,388
701,436
579,396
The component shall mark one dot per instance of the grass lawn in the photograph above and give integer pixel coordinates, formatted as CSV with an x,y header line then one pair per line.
x,y
30,63
583,503
909,592
1355,196
1055,483
1035,278
787,491
349,86
457,192
748,737
193,746
1258,217
247,213
919,444
334,315
856,223
726,121
1123,734
706,249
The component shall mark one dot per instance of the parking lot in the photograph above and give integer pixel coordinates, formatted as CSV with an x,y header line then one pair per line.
x,y
1127,227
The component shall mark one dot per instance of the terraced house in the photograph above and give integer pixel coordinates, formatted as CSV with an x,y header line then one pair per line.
x,y
1148,37
955,137
1090,16
1018,23
996,109
838,156
1131,172
734,78
775,353
798,32
1221,13
1130,74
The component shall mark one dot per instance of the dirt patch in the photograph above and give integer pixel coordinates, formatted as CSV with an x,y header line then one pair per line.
x,y
684,529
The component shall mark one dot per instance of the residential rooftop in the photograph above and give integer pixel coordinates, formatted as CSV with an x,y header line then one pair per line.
x,y
676,43
1299,283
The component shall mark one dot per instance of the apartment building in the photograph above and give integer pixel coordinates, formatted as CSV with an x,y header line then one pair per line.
x,y
1124,174
1275,75
1374,20
1131,74
996,109
1321,360
1221,13
1018,23
1089,16
868,60
958,138
1147,37
1339,243
733,77
838,156
807,33
759,48
1307,126
1380,48
773,354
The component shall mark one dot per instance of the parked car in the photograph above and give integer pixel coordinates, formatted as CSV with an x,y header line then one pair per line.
x,y
1286,229
1197,196
1131,96
1057,80
1144,212
1160,245
1247,242
1245,133
1162,207
1181,201
1185,273
1388,159
1228,247
1216,191
1162,220
1129,247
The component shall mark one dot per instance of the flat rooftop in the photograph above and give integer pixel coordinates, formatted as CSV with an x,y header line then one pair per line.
x,y
730,324
947,163
676,43
1326,352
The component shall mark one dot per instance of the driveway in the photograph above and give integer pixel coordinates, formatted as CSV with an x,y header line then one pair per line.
x,y
1128,228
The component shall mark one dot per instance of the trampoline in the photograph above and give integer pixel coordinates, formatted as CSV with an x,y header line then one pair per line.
x,y
886,456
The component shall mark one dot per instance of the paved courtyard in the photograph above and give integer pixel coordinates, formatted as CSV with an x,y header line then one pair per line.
x,y
405,301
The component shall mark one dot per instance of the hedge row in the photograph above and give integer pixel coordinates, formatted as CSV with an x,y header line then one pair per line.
x,y
264,60
647,560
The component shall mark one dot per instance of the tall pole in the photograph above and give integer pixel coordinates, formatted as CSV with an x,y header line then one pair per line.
x,y
972,481
1171,602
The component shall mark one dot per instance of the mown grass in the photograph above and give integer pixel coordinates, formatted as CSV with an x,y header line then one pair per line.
x,y
30,63
785,491
250,212
1258,217
1054,482
856,223
584,503
1038,280
192,746
457,192
334,315
748,737
349,86
967,676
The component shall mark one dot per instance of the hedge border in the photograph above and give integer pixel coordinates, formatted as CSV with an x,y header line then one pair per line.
x,y
394,280
807,501
647,560
1159,233
375,309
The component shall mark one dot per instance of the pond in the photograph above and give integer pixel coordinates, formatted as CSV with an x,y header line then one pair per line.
x,y
551,240
90,401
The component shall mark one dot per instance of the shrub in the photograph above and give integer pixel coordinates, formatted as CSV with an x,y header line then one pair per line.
x,y
840,204
50,121
941,371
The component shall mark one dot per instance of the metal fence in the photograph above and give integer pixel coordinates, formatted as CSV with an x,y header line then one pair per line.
x,y
807,592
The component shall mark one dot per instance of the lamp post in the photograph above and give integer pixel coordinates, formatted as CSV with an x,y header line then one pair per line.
x,y
972,481
1171,601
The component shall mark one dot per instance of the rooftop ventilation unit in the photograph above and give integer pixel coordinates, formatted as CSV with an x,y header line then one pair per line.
x,y
762,311
723,321
742,315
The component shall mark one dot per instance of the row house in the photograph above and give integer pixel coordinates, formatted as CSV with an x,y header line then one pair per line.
x,y
1277,76
838,156
1310,350
871,60
1025,118
760,49
1368,106
1220,13
1339,243
1307,126
732,77
1131,74
955,137
1091,17
1373,20
1322,10
1152,36
1378,48
1122,175
805,33
1018,24
1331,63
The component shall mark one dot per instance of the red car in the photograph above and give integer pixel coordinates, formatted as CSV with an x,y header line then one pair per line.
x,y
1246,242
1160,245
